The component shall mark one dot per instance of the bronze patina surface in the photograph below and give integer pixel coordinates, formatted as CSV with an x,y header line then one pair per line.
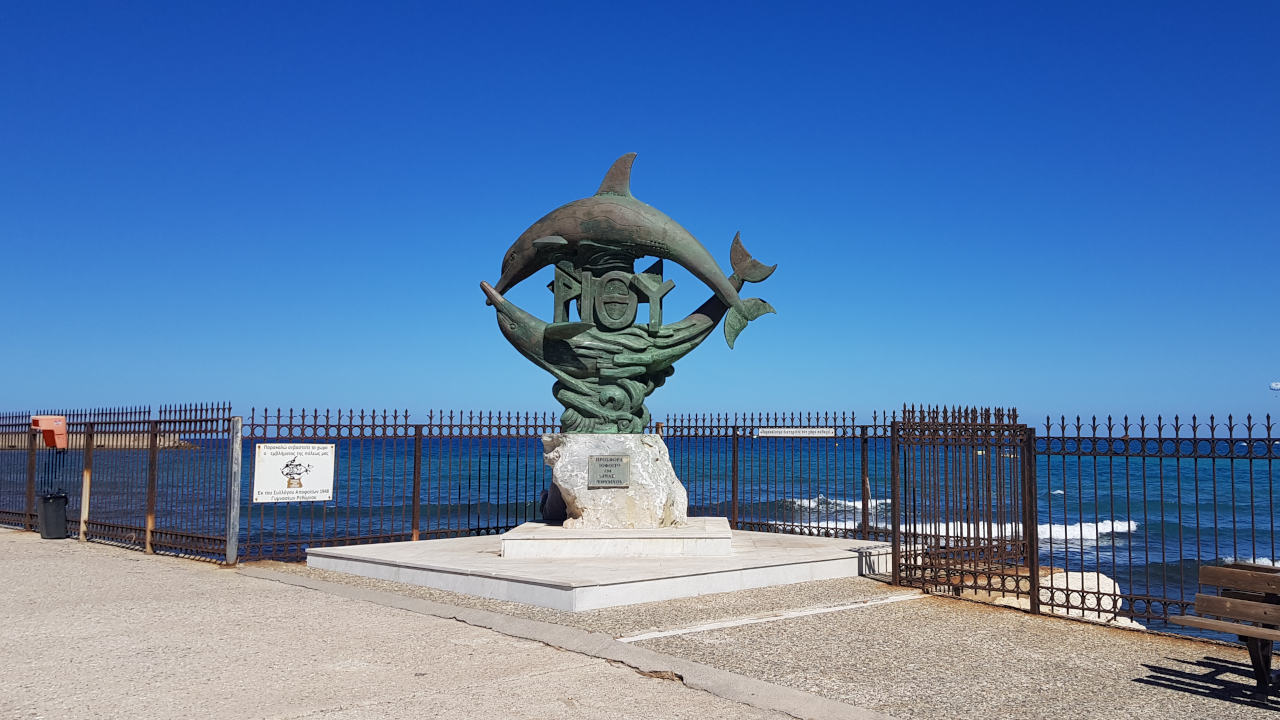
x,y
604,362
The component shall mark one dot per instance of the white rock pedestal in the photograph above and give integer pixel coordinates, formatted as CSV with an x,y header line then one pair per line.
x,y
616,481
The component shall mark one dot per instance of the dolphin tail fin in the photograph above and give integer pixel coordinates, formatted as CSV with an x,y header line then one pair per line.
x,y
747,268
738,317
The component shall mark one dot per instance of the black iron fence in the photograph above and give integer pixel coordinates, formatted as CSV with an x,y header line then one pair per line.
x,y
156,482
471,473
1139,505
808,473
1120,514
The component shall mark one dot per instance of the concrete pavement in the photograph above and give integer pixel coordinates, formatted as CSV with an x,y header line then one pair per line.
x,y
889,649
93,631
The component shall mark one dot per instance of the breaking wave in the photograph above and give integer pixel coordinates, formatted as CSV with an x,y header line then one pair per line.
x,y
1086,531
826,504
1255,561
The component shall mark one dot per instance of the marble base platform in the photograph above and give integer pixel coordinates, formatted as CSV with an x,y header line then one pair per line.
x,y
699,537
475,566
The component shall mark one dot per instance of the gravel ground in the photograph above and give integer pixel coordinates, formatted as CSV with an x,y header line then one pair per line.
x,y
928,658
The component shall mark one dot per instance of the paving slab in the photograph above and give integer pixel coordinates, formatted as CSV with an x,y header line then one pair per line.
x,y
697,536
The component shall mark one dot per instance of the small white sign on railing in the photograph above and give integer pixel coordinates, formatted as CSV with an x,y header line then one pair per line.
x,y
800,432
293,472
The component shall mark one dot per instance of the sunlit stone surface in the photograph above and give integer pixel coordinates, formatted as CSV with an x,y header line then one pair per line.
x,y
653,498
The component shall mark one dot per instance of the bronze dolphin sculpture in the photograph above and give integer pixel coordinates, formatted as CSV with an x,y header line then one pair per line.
x,y
572,350
613,220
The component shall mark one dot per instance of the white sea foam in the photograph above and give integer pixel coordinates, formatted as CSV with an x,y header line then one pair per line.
x,y
822,502
960,530
1087,531
1255,561
1081,532
1058,492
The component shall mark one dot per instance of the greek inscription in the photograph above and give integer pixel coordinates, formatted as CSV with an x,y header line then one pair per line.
x,y
608,471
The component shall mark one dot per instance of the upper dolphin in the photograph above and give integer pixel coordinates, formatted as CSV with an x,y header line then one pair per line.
x,y
613,220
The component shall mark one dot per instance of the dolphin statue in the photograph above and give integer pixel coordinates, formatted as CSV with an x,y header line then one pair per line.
x,y
605,376
573,351
613,221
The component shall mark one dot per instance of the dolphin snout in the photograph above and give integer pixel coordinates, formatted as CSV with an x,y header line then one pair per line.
x,y
493,297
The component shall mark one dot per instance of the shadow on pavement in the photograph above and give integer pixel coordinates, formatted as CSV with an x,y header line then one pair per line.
x,y
1213,678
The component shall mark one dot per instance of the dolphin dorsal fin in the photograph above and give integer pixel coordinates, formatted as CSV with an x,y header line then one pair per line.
x,y
618,180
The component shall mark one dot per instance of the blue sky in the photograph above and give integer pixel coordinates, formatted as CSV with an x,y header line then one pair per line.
x,y
1065,207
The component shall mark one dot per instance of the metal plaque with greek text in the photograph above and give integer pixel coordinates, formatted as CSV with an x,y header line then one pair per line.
x,y
608,471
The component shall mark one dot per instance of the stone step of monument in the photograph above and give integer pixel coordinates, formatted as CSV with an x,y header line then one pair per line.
x,y
699,537
476,566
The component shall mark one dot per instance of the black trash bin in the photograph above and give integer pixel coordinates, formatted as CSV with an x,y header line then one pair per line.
x,y
51,516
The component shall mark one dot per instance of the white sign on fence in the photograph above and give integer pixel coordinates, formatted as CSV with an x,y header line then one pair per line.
x,y
293,472
803,432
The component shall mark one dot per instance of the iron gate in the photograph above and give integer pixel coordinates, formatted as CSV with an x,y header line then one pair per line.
x,y
964,499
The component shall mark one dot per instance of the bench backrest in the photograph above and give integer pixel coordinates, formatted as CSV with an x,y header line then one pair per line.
x,y
1250,592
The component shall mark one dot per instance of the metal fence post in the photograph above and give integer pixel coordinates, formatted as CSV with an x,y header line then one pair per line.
x,y
733,488
31,481
235,448
417,480
1030,515
866,489
85,482
895,509
152,458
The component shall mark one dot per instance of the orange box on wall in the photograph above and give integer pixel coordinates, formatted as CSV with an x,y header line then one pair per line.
x,y
53,428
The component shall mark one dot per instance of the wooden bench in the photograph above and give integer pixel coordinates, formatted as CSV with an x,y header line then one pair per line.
x,y
1248,593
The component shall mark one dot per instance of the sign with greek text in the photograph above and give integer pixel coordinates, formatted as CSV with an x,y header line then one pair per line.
x,y
802,432
293,472
608,471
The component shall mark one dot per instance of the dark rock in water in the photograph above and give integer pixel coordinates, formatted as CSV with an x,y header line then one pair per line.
x,y
551,506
